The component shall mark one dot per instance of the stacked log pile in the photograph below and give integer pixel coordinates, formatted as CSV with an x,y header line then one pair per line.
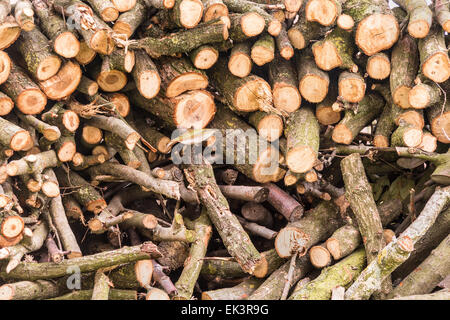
x,y
341,193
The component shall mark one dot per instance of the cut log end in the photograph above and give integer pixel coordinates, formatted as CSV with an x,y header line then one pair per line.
x,y
289,240
195,109
262,55
123,28
156,294
240,65
274,28
20,141
96,206
261,268
266,167
121,103
215,11
85,54
48,67
31,101
12,227
401,97
376,33
5,66
342,134
92,135
437,67
418,28
71,121
124,5
412,137
313,88
326,56
191,12
102,42
326,115
144,272
380,141
252,24
9,32
296,38
334,248
109,14
345,22
286,98
440,126
115,80
67,151
6,105
64,83
352,89
419,97
319,256
148,84
324,12
271,127
50,189
6,292
253,96
378,67
206,58
186,82
301,159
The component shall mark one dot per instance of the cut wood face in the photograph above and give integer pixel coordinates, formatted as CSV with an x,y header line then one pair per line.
x,y
440,127
419,97
9,32
401,97
266,167
85,54
286,98
64,83
376,33
12,227
412,137
149,83
240,65
67,45
301,159
111,81
271,127
67,151
186,82
124,5
205,59
326,56
31,101
5,66
191,12
412,117
252,24
345,22
6,105
70,120
437,67
156,294
215,11
342,134
253,96
262,55
102,42
195,109
429,142
288,239
418,28
352,90
326,116
378,67
296,38
313,88
48,67
322,11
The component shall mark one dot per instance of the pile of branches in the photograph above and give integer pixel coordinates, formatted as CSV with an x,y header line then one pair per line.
x,y
349,96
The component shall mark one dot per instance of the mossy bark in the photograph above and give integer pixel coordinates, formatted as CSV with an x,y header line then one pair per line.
x,y
235,239
434,59
303,32
340,274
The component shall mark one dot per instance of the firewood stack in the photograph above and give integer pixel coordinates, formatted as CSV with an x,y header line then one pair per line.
x,y
351,100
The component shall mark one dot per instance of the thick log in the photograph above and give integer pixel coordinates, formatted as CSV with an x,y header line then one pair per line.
x,y
313,82
9,32
269,125
235,239
64,83
377,28
324,12
263,50
315,226
302,133
204,57
420,17
434,60
351,87
347,129
286,96
13,137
